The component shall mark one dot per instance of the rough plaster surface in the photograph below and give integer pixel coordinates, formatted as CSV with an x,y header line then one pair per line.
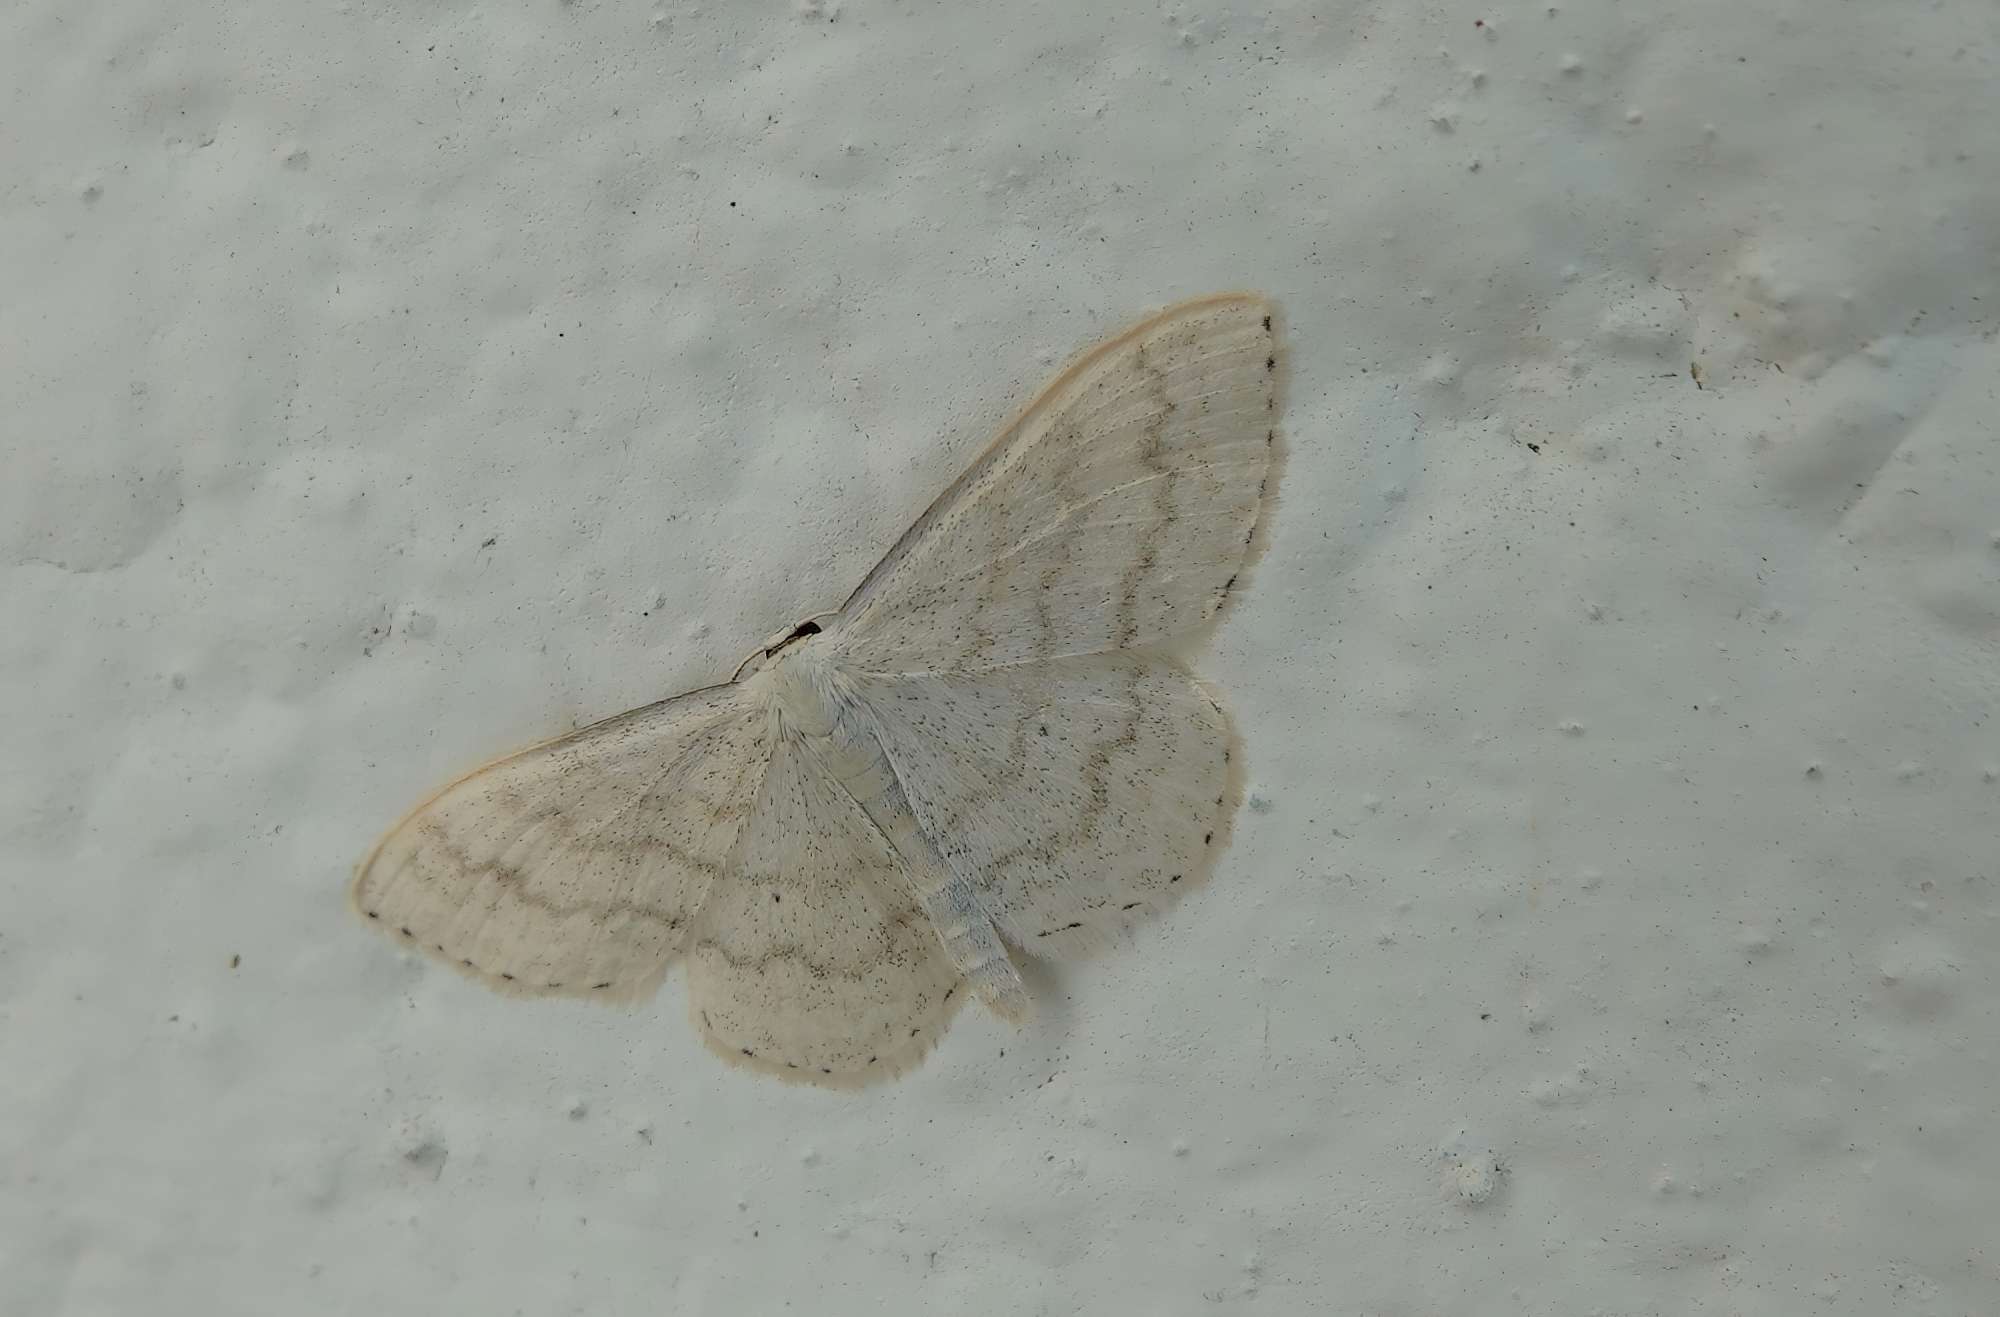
x,y
1613,927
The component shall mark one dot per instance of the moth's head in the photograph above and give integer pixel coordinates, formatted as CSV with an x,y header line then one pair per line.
x,y
775,644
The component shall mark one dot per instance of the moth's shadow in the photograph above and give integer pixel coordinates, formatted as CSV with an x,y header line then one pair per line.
x,y
1055,1008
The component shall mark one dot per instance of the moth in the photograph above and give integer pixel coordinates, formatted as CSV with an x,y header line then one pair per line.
x,y
993,749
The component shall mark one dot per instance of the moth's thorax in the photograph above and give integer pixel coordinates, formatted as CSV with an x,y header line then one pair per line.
x,y
805,689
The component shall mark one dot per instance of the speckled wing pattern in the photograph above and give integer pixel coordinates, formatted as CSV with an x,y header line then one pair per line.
x,y
1056,766
576,868
1078,779
814,961
1115,512
1077,796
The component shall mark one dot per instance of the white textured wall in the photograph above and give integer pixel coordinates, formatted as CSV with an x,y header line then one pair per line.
x,y
1614,926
